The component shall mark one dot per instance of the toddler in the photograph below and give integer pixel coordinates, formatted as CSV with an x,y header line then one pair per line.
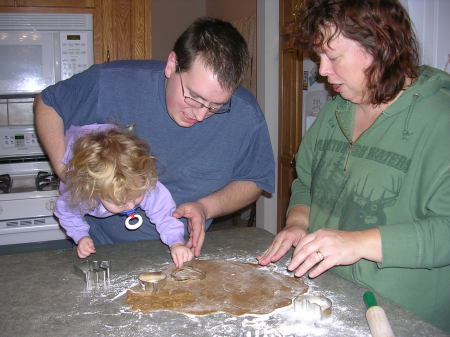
x,y
110,171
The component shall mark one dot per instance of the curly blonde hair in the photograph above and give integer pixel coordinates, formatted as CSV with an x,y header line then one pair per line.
x,y
110,165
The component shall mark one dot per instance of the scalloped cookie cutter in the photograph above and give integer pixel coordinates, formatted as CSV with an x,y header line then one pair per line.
x,y
312,307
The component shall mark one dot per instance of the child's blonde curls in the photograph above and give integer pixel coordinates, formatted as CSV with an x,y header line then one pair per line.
x,y
109,165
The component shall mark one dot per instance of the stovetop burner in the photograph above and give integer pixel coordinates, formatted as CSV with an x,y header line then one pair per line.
x,y
5,183
46,181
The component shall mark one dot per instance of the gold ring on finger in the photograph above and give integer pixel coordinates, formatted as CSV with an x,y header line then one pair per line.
x,y
320,255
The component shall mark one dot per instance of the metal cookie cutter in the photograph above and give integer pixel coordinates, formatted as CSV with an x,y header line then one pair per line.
x,y
96,273
152,281
312,307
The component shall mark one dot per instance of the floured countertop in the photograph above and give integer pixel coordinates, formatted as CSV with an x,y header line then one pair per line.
x,y
42,296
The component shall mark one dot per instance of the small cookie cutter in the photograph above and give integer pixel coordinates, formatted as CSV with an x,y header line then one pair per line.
x,y
312,307
152,281
188,273
96,273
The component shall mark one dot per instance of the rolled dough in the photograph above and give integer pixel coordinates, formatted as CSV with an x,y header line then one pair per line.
x,y
233,287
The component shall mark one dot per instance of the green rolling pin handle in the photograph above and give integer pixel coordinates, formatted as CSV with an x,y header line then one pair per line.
x,y
369,299
376,317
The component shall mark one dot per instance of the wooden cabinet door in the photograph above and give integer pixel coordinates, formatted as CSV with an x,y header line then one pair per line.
x,y
56,3
121,27
7,3
290,109
122,30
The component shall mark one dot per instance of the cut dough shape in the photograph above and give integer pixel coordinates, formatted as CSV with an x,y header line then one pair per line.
x,y
233,287
187,273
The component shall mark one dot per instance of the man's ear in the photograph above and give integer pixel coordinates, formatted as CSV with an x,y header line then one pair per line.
x,y
171,65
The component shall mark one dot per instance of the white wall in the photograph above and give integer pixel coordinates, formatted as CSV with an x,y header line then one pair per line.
x,y
267,74
432,25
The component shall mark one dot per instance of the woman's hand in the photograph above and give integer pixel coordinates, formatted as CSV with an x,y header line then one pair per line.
x,y
290,236
85,247
326,248
283,241
195,214
180,254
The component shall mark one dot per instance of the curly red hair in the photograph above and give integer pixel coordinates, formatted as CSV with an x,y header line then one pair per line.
x,y
382,27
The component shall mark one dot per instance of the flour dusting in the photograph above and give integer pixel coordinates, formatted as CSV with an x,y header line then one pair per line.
x,y
106,305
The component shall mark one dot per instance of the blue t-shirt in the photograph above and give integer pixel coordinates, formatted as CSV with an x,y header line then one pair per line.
x,y
192,162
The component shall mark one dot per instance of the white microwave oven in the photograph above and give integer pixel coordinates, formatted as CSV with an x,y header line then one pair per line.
x,y
40,49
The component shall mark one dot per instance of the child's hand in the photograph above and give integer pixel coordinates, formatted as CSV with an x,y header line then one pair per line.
x,y
180,254
85,247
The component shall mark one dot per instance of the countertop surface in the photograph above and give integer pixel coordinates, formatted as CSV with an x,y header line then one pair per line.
x,y
42,295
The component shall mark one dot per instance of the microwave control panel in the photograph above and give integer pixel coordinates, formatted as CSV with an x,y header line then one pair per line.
x,y
76,53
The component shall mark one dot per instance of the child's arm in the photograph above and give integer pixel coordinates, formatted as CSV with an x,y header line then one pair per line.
x,y
159,205
180,254
85,247
70,219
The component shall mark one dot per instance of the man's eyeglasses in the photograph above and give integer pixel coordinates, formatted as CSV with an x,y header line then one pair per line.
x,y
217,109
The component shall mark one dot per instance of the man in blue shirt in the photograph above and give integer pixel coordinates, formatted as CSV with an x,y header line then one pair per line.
x,y
208,134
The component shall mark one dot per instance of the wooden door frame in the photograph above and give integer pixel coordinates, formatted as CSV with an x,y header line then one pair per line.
x,y
290,105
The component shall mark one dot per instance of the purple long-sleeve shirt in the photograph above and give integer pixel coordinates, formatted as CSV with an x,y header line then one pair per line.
x,y
157,204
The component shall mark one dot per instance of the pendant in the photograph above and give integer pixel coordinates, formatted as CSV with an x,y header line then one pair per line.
x,y
132,216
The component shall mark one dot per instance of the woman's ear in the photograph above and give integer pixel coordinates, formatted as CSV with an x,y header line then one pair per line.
x,y
171,65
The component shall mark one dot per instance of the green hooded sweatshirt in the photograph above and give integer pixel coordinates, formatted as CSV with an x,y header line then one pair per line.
x,y
396,177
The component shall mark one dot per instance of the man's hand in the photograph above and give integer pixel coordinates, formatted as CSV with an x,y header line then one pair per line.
x,y
195,213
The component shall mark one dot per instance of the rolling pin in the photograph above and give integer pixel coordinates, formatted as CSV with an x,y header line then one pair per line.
x,y
376,317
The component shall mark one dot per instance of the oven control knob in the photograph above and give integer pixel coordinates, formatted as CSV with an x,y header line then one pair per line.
x,y
50,205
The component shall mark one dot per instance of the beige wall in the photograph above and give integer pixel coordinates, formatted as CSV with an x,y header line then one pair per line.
x,y
169,19
230,10
242,14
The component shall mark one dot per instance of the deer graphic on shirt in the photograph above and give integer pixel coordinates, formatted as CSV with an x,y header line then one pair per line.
x,y
363,210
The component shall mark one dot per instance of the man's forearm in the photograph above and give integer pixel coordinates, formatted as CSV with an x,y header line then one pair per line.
x,y
50,131
231,198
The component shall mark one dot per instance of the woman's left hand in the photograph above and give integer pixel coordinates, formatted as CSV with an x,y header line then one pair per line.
x,y
326,248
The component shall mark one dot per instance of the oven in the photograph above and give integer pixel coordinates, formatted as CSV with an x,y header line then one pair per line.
x,y
38,49
28,190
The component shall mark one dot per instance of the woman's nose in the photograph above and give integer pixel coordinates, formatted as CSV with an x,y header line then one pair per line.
x,y
325,66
